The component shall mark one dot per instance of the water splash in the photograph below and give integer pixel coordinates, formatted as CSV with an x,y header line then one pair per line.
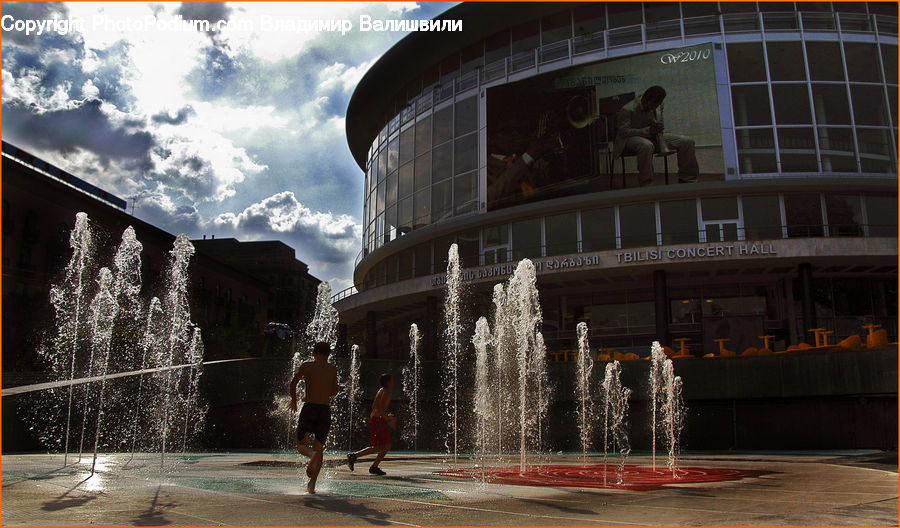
x,y
657,362
583,390
616,413
323,325
149,343
103,314
178,341
98,341
501,340
452,353
523,305
673,416
354,392
67,299
483,404
412,373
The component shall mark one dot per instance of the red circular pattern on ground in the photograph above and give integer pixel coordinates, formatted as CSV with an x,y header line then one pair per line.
x,y
638,478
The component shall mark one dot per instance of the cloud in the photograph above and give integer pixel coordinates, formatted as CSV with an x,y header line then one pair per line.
x,y
179,118
87,125
212,12
330,238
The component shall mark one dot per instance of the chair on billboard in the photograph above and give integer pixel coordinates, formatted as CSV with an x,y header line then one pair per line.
x,y
608,109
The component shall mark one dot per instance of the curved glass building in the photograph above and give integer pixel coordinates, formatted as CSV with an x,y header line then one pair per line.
x,y
775,213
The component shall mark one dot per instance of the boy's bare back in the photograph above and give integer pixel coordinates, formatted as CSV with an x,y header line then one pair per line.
x,y
321,381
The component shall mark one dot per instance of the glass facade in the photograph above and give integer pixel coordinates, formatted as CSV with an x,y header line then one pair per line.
x,y
698,220
811,89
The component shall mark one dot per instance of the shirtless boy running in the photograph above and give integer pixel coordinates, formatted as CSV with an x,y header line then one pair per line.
x,y
315,416
379,420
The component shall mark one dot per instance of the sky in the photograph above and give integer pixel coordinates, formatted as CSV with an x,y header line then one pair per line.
x,y
234,132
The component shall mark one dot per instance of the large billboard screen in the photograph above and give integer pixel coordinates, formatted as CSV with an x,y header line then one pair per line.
x,y
605,125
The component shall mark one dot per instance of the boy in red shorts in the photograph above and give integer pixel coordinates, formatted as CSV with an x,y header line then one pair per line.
x,y
379,423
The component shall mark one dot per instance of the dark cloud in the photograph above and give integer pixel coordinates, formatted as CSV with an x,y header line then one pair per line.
x,y
179,118
38,11
85,127
209,11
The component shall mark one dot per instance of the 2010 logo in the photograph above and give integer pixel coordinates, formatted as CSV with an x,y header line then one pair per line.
x,y
685,56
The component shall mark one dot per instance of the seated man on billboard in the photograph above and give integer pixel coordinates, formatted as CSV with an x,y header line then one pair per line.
x,y
640,132
515,168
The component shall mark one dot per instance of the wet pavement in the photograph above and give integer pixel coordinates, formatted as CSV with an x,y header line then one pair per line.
x,y
269,489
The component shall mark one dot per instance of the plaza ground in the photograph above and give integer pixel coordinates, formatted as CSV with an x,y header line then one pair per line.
x,y
268,489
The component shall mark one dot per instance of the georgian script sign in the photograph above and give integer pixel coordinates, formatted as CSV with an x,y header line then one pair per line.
x,y
608,259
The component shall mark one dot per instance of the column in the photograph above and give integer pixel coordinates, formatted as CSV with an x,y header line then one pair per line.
x,y
806,302
661,307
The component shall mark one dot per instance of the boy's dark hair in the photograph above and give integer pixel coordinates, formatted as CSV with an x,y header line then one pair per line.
x,y
322,348
384,379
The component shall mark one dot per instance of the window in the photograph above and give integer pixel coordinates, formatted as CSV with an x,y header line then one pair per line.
x,y
830,103
791,104
465,154
406,183
393,155
441,201
441,162
423,260
678,221
525,37
862,62
638,225
466,119
762,217
756,152
422,212
443,125
868,105
824,60
881,213
803,214
526,239
836,146
785,61
465,193
875,152
719,218
555,28
598,229
407,144
751,105
562,234
423,135
423,171
745,62
623,14
844,214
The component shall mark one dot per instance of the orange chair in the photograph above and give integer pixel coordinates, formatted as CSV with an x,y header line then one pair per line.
x,y
750,351
631,356
878,338
851,342
670,352
804,346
